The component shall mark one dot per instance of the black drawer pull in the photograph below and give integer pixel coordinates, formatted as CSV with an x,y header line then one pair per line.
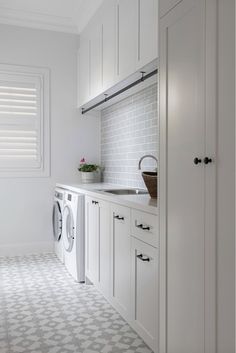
x,y
95,202
119,218
143,258
141,226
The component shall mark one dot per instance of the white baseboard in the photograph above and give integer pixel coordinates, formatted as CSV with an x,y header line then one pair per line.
x,y
26,248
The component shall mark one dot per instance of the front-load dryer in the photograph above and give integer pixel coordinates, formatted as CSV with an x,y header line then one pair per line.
x,y
73,235
57,223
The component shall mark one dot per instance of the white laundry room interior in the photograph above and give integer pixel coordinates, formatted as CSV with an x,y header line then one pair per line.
x,y
117,176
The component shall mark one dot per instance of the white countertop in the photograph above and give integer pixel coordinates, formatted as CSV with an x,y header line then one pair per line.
x,y
140,202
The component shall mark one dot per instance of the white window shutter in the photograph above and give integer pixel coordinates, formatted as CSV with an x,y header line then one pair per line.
x,y
23,121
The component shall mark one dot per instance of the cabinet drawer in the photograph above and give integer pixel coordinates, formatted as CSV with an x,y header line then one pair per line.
x,y
144,227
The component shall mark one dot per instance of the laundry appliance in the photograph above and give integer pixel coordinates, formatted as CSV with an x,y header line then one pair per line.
x,y
57,223
73,235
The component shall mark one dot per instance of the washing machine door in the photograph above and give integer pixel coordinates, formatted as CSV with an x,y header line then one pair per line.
x,y
68,229
57,221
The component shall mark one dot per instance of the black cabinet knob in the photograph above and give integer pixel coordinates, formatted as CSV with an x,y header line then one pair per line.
x,y
207,160
197,160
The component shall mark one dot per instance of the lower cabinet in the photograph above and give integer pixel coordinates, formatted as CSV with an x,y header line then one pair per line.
x,y
121,262
121,265
97,244
104,273
144,291
92,239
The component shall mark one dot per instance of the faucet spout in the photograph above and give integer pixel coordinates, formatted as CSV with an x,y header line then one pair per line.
x,y
146,156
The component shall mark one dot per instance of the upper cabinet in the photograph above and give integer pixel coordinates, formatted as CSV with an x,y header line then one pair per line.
x,y
126,38
136,35
147,30
120,40
90,61
95,59
108,17
83,85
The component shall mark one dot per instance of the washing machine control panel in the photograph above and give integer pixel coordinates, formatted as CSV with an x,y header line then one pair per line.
x,y
59,195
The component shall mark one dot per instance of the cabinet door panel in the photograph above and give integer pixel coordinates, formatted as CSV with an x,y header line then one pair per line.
x,y
147,31
108,14
126,38
183,49
92,238
95,42
121,246
83,69
104,248
145,291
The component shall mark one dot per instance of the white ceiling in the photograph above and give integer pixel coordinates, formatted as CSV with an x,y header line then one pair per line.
x,y
68,16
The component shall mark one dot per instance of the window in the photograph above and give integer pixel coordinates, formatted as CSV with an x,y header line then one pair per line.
x,y
24,121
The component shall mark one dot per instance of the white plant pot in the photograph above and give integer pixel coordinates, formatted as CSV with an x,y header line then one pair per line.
x,y
90,177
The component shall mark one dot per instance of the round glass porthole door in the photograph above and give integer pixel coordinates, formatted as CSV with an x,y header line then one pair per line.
x,y
57,221
68,229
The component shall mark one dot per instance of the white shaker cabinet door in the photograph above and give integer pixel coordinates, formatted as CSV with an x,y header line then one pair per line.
x,y
121,269
92,239
144,281
187,198
147,31
95,60
104,279
126,38
108,15
182,140
83,69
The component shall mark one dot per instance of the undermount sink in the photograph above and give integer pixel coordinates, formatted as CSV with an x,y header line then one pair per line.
x,y
126,191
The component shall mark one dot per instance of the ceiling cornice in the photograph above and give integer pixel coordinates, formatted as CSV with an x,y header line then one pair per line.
x,y
37,20
86,11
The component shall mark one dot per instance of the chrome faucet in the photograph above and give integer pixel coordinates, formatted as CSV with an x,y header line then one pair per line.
x,y
146,156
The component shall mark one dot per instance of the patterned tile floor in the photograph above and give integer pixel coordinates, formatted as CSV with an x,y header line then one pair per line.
x,y
43,310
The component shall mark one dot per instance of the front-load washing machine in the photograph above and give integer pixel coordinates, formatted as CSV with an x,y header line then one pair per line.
x,y
57,223
73,235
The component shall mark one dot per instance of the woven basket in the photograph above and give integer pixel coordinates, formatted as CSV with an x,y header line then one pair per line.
x,y
150,180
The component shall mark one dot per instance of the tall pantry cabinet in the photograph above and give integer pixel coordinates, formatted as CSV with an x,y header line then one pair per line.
x,y
187,176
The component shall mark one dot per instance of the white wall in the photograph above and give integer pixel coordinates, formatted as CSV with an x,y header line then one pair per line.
x,y
226,179
26,203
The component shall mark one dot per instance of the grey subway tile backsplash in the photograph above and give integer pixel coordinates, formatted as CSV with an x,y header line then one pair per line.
x,y
129,130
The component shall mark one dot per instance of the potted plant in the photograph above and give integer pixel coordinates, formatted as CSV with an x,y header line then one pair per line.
x,y
90,173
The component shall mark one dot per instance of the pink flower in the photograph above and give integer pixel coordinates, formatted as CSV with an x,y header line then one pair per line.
x,y
82,161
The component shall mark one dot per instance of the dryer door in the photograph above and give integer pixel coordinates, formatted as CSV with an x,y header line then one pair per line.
x,y
57,221
68,229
